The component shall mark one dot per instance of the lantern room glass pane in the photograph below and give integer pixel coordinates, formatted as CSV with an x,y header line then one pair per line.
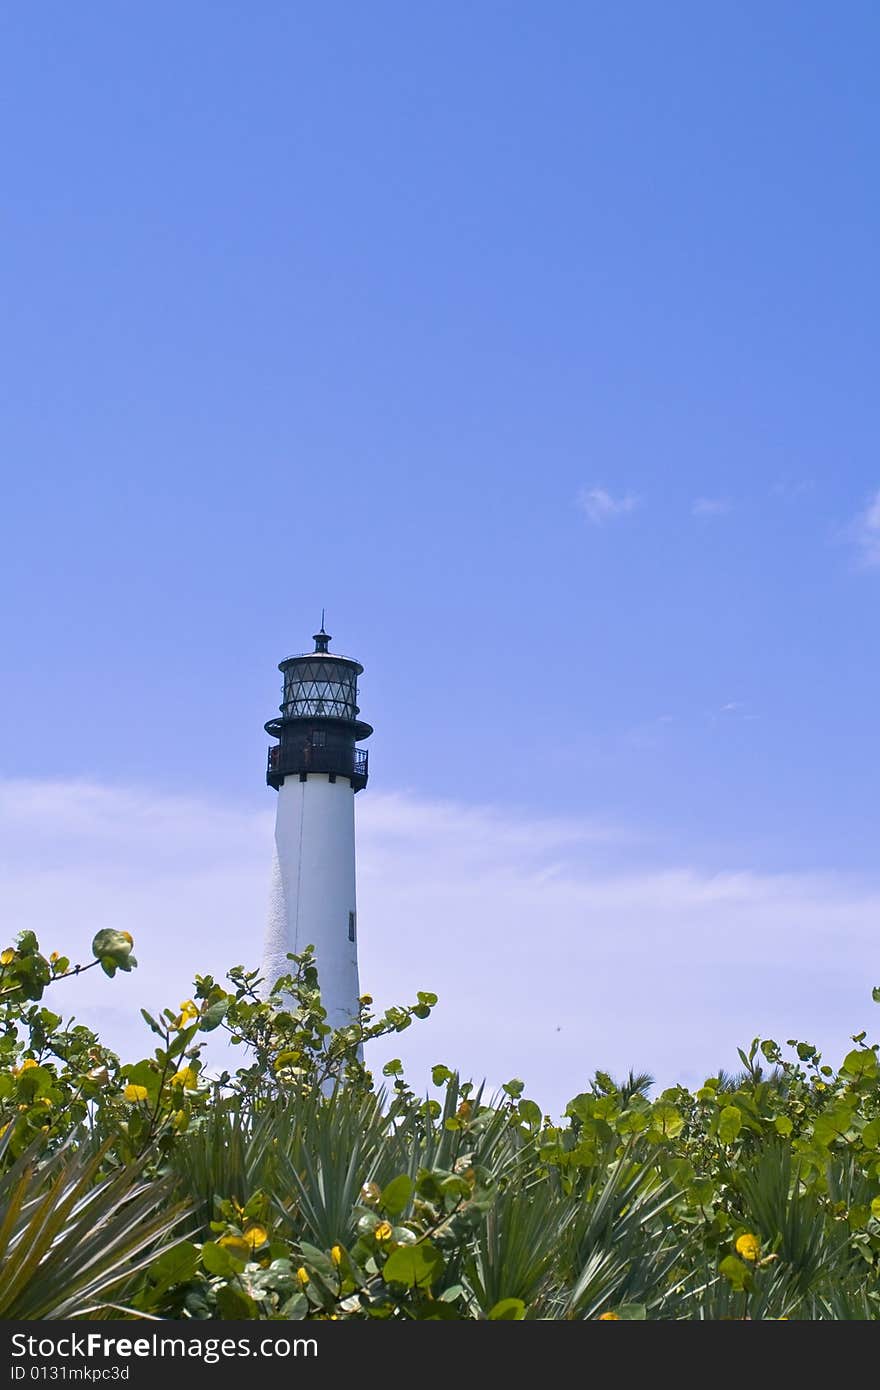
x,y
320,689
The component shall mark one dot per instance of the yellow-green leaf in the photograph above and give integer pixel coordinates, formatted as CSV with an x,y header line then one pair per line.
x,y
507,1310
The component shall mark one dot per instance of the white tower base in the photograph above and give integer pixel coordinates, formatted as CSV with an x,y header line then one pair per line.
x,y
313,889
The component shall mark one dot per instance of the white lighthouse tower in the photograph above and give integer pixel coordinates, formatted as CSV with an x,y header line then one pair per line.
x,y
316,769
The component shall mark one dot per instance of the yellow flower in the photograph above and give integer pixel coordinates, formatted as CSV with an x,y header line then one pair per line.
x,y
336,1255
25,1066
256,1236
302,1275
53,957
134,1093
383,1231
609,1317
180,1120
188,1011
7,956
748,1246
185,1077
128,936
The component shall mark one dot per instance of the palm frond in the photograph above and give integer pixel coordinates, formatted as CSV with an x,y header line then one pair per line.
x,y
71,1235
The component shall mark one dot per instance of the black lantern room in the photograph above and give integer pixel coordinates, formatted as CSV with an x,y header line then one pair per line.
x,y
319,725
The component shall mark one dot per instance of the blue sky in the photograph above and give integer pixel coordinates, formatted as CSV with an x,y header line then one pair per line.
x,y
538,343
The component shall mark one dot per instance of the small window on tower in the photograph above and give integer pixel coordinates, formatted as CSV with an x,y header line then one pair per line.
x,y
351,926
319,738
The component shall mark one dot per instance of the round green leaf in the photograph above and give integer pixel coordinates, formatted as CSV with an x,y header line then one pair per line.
x,y
111,944
871,1134
729,1123
396,1196
213,1016
860,1062
737,1273
529,1113
631,1312
666,1118
507,1310
217,1259
415,1266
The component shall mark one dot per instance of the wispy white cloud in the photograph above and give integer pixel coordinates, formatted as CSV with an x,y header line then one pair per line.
x,y
599,506
556,946
711,506
865,532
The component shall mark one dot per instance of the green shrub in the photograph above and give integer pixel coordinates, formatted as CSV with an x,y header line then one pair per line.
x,y
296,1187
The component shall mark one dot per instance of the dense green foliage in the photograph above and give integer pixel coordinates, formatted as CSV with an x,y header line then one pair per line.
x,y
294,1188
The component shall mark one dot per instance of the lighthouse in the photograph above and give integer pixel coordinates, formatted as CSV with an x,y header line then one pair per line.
x,y
316,768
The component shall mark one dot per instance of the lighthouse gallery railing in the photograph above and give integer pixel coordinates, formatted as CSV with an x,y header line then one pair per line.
x,y
284,762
